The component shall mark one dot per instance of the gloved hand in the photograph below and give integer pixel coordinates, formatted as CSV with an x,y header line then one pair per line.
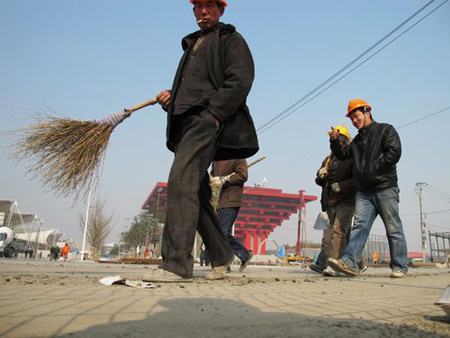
x,y
336,188
224,179
323,173
218,181
215,181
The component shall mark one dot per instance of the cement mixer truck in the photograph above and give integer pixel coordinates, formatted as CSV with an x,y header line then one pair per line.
x,y
7,242
12,244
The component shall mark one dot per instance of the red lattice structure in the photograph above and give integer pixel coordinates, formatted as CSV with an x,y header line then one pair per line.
x,y
263,210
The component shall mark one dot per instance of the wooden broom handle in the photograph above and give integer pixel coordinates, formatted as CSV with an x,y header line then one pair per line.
x,y
256,161
150,102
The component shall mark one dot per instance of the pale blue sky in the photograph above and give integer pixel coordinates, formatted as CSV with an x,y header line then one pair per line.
x,y
87,59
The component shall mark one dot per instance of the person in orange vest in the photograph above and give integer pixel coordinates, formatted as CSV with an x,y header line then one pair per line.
x,y
375,257
65,252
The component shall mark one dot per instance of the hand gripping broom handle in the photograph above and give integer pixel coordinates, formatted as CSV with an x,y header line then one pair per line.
x,y
142,105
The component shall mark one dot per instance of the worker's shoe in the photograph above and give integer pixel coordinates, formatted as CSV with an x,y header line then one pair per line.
x,y
341,266
397,274
316,268
330,272
363,269
218,272
164,276
245,263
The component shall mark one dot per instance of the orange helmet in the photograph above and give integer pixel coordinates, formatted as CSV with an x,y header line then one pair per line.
x,y
355,104
223,2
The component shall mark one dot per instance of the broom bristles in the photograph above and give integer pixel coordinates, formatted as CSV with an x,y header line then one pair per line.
x,y
66,153
215,196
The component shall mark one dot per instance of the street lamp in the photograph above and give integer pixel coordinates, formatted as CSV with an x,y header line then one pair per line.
x,y
86,223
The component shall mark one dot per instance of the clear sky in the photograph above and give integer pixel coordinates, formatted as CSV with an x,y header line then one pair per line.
x,y
87,59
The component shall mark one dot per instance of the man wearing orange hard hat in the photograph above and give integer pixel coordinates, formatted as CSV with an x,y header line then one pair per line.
x,y
207,120
219,2
375,152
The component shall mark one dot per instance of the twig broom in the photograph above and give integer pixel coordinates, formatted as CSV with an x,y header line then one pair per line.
x,y
67,153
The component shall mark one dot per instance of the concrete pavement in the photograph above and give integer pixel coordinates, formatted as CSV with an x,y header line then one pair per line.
x,y
53,299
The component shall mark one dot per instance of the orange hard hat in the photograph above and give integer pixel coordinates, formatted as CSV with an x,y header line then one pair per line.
x,y
355,104
223,2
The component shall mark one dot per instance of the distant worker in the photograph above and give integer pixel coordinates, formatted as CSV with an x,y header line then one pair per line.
x,y
375,258
230,202
375,152
338,200
54,252
65,252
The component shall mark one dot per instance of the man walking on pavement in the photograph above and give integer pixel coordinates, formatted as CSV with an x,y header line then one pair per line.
x,y
375,152
207,120
230,202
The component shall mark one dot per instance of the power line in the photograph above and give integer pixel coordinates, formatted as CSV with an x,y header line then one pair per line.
x,y
433,227
285,113
344,68
429,186
437,193
423,118
437,212
275,121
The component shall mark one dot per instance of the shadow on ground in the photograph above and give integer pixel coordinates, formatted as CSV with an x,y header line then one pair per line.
x,y
205,317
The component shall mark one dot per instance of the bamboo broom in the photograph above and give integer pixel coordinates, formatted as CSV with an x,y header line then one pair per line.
x,y
216,184
66,153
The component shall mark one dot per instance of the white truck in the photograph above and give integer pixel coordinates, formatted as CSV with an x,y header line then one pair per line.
x,y
10,246
6,238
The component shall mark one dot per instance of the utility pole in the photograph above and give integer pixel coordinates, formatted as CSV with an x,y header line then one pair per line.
x,y
301,232
423,226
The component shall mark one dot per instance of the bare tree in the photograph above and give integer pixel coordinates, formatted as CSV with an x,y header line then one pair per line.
x,y
98,229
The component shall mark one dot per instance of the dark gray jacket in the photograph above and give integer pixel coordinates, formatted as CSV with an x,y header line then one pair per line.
x,y
375,152
231,69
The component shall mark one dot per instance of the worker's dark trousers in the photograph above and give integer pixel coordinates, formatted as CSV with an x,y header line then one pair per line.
x,y
188,197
